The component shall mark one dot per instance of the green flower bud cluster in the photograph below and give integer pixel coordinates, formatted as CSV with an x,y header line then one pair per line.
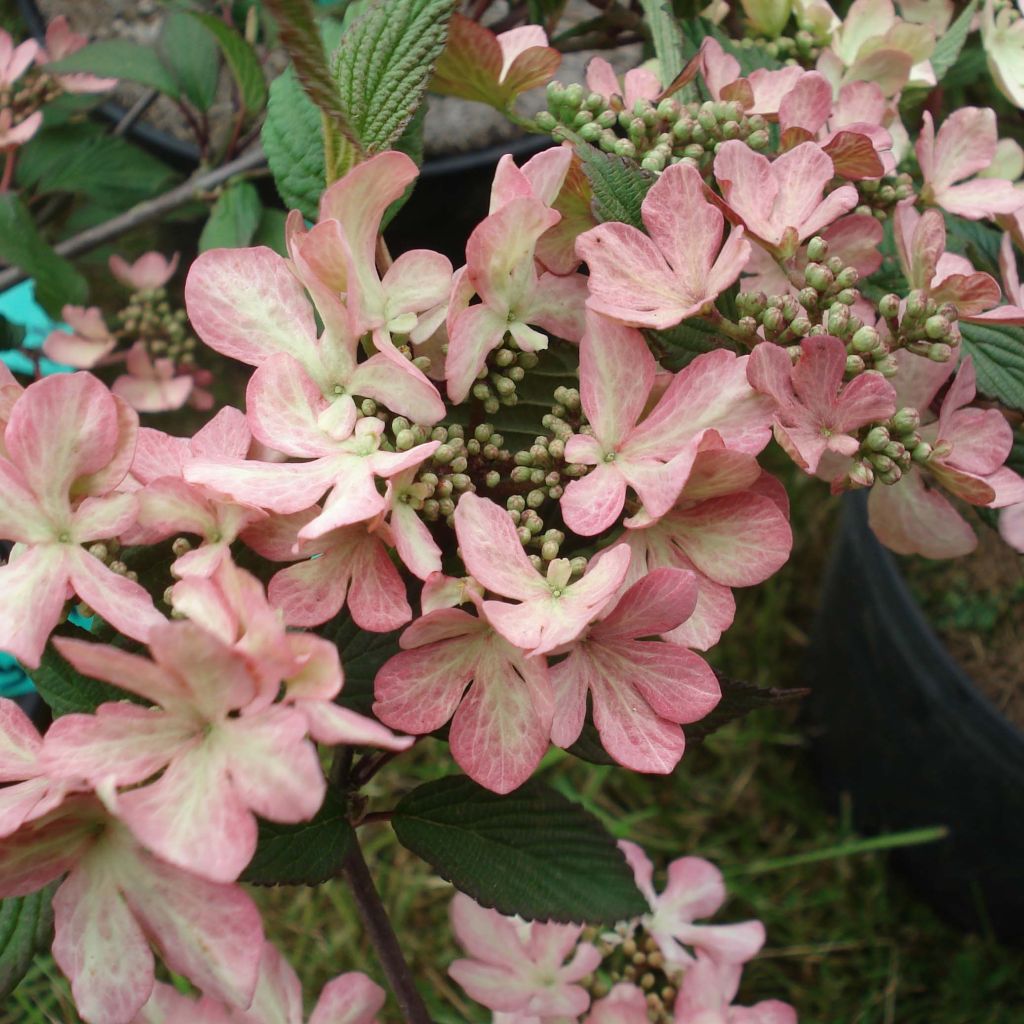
x,y
149,318
506,368
637,960
33,90
878,196
654,134
926,327
802,47
888,450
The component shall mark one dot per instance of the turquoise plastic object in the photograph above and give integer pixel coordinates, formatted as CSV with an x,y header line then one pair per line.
x,y
19,306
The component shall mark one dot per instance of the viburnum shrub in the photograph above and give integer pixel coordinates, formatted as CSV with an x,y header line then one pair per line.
x,y
504,505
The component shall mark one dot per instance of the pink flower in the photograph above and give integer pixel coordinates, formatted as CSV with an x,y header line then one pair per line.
x,y
414,543
13,135
625,1004
347,999
501,723
706,994
219,768
639,84
152,385
519,967
1002,35
965,144
33,792
61,42
68,443
148,272
815,411
694,889
501,270
781,202
117,900
654,456
969,449
551,610
760,93
730,526
15,60
90,341
659,280
641,691
249,305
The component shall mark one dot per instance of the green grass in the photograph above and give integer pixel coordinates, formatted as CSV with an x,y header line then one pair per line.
x,y
848,942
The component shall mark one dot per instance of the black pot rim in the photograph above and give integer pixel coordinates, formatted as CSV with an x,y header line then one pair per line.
x,y
888,582
186,155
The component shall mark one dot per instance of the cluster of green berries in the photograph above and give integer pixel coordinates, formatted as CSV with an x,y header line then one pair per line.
x,y
150,318
888,450
505,369
925,327
655,134
637,960
879,196
802,47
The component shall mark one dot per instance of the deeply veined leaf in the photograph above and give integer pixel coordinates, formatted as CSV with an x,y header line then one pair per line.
x,y
241,59
948,46
191,55
531,852
293,142
362,654
119,58
619,185
234,218
384,63
677,346
26,926
998,353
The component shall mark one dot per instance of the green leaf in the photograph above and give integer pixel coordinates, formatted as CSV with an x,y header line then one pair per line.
x,y
532,852
57,281
998,353
11,335
191,55
667,37
948,47
270,230
234,218
26,926
976,240
619,185
362,654
241,59
739,699
293,142
383,65
308,853
677,346
65,689
119,58
83,159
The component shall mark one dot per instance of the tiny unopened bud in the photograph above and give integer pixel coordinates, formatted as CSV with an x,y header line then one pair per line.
x,y
905,420
838,319
817,249
889,306
936,327
819,277
940,353
861,475
877,439
922,453
854,364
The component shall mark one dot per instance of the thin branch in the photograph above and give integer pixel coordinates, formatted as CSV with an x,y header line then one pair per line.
x,y
135,111
382,935
151,209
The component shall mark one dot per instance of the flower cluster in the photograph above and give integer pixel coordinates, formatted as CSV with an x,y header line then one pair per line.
x,y
660,967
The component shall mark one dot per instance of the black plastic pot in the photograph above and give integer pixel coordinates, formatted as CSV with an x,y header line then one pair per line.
x,y
907,735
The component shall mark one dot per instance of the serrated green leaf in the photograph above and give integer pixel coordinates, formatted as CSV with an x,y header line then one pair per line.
x,y
56,281
65,689
998,353
681,344
26,926
270,230
619,185
191,55
293,142
234,218
119,58
383,65
531,852
667,37
241,59
738,699
83,159
362,654
308,853
948,47
976,240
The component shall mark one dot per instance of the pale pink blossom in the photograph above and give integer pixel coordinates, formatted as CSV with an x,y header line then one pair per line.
x,y
695,889
69,444
456,664
414,543
15,60
652,456
625,1004
61,42
815,411
150,271
249,305
676,269
514,298
1002,35
220,768
551,610
88,343
1011,526
730,526
520,967
641,691
965,144
13,135
28,791
969,448
781,202
152,385
762,92
117,901
639,84
706,997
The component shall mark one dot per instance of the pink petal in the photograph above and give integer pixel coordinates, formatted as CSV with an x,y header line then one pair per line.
x,y
349,999
656,603
32,593
807,105
408,393
275,486
911,519
122,602
592,503
474,333
284,409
